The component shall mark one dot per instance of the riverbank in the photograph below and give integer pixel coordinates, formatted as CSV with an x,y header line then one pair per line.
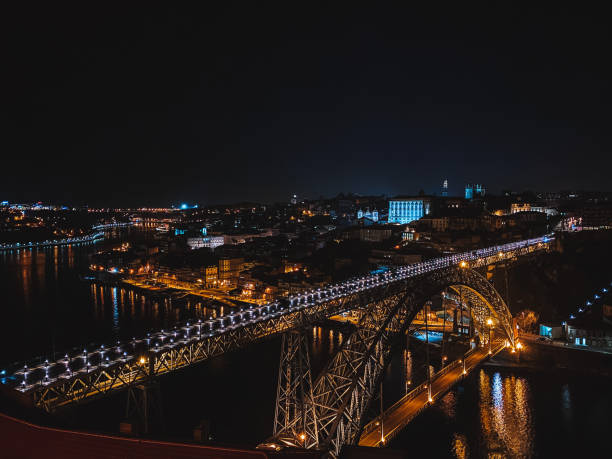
x,y
544,357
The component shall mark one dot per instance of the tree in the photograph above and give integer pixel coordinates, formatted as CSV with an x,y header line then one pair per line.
x,y
527,320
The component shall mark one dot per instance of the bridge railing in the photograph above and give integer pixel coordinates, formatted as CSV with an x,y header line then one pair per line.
x,y
375,423
418,390
70,240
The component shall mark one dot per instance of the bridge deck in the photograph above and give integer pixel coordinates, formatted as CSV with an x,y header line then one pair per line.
x,y
401,413
105,369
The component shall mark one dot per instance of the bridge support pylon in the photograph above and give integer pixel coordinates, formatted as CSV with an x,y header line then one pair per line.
x,y
144,406
294,417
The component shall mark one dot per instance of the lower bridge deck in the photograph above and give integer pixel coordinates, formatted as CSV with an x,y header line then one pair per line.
x,y
408,407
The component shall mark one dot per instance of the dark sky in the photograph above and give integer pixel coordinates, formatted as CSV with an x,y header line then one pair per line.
x,y
137,104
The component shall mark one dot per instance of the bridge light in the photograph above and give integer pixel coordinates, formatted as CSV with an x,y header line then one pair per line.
x,y
519,345
489,322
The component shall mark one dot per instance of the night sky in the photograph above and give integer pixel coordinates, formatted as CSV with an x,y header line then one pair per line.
x,y
134,104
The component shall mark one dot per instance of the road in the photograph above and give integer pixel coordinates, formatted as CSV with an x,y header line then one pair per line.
x,y
400,414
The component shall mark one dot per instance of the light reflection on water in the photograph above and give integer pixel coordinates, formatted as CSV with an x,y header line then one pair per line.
x,y
490,415
505,415
47,305
116,312
460,446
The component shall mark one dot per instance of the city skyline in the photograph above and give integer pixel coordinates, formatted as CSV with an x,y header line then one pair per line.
x,y
178,105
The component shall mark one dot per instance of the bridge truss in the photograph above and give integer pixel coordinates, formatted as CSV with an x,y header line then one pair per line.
x,y
342,393
105,370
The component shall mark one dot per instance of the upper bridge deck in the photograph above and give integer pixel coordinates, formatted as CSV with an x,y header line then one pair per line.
x,y
95,372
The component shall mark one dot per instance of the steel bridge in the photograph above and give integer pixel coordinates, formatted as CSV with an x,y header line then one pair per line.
x,y
325,414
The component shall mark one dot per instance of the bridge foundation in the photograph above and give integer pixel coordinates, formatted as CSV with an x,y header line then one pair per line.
x,y
144,408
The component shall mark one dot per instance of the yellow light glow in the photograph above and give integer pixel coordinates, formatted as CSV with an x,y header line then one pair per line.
x,y
143,360
489,322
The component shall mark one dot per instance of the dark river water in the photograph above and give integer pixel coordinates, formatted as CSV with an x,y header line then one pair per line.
x,y
494,413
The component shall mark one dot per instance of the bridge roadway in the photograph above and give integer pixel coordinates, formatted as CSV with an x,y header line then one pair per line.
x,y
404,410
97,372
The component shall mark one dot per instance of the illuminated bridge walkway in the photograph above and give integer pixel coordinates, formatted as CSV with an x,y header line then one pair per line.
x,y
390,300
397,416
48,243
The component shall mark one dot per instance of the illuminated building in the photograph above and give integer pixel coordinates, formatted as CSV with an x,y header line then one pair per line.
x,y
211,276
367,214
474,191
209,242
527,207
229,270
445,188
520,207
405,210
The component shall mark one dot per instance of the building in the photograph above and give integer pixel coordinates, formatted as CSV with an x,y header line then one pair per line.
x,y
406,210
520,207
209,242
594,336
409,234
209,276
445,188
367,214
474,191
599,217
229,271
516,207
371,233
552,331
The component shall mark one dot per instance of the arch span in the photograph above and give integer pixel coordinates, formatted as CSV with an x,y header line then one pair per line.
x,y
345,388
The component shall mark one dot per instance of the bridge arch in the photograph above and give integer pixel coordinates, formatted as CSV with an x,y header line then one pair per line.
x,y
343,391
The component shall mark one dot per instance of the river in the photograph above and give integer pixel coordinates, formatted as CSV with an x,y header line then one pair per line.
x,y
495,412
